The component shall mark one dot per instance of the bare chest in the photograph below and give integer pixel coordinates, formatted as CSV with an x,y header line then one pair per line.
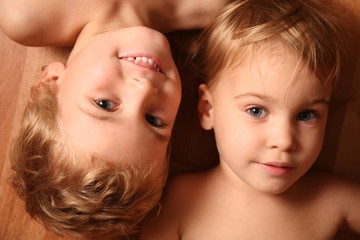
x,y
246,220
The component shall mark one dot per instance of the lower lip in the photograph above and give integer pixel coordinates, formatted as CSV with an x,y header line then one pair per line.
x,y
275,170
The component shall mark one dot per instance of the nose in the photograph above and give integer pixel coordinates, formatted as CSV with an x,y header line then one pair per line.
x,y
137,96
142,86
283,136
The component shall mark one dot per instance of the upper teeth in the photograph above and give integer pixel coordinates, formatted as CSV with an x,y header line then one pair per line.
x,y
147,60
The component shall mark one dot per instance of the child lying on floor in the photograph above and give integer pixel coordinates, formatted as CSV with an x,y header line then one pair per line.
x,y
90,158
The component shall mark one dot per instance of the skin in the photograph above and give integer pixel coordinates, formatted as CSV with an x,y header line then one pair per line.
x,y
111,105
269,124
52,22
274,125
131,103
138,129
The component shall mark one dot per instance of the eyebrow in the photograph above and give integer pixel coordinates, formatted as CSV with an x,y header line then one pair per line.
x,y
250,94
324,100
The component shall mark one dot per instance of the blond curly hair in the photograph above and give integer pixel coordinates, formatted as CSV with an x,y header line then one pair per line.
x,y
103,199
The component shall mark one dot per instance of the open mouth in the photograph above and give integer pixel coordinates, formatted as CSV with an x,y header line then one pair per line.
x,y
143,61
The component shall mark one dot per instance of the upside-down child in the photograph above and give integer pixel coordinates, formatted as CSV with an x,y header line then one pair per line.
x,y
269,68
90,158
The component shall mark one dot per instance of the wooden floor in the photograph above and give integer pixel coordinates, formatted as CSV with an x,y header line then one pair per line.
x,y
20,67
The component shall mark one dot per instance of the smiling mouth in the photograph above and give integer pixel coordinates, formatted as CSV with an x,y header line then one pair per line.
x,y
143,61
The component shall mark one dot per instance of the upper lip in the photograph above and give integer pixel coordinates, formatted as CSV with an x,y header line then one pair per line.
x,y
144,61
278,164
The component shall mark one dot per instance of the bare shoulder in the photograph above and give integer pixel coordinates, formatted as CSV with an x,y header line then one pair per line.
x,y
327,184
334,182
182,189
165,222
338,195
39,23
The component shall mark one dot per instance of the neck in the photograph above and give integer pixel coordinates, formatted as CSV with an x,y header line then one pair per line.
x,y
162,15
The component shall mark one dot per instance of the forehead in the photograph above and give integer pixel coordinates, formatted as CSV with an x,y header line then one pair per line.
x,y
267,61
304,61
128,143
271,72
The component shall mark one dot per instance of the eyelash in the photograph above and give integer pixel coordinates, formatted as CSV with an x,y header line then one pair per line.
x,y
251,110
152,120
100,104
300,116
314,115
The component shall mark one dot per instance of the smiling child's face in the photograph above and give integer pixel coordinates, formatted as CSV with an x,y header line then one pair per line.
x,y
118,97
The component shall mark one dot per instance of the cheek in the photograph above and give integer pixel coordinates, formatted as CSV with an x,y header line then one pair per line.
x,y
316,147
234,142
230,130
234,152
171,97
312,144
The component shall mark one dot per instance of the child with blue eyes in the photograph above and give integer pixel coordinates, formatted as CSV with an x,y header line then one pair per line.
x,y
91,156
269,68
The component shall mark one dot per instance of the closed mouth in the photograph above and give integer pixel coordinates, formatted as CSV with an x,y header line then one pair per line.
x,y
279,165
277,169
144,61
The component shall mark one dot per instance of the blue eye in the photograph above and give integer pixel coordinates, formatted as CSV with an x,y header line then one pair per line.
x,y
154,121
306,116
105,104
256,112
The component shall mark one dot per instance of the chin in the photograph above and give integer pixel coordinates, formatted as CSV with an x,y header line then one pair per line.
x,y
274,188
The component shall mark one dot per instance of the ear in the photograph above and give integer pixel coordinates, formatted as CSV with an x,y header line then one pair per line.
x,y
205,107
52,72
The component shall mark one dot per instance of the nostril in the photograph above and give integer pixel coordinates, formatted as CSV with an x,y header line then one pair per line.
x,y
145,84
146,81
